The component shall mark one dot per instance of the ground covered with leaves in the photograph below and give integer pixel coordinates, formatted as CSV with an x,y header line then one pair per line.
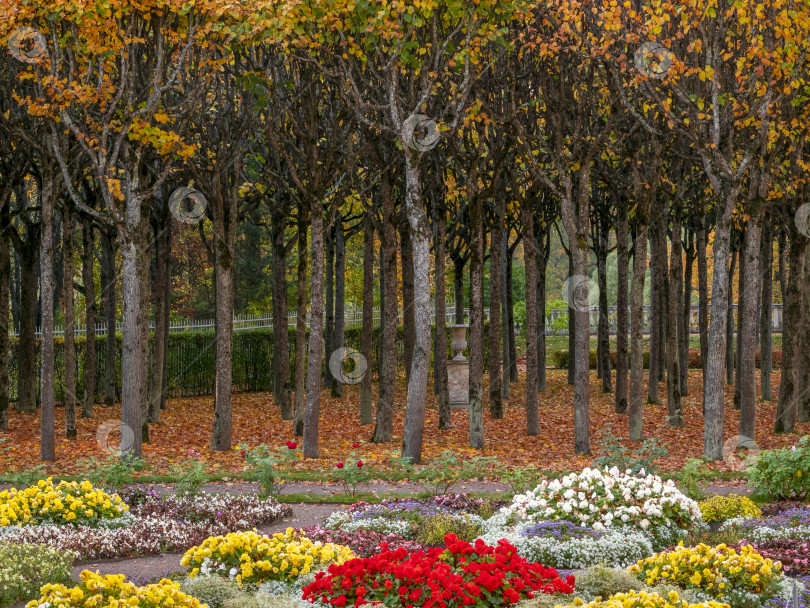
x,y
187,423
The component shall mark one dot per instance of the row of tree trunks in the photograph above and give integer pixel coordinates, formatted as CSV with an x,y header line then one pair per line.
x,y
67,307
91,312
5,276
366,402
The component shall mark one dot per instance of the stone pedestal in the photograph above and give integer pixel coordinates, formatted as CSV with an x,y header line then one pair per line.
x,y
458,370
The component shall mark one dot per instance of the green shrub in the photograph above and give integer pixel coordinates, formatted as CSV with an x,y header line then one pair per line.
x,y
215,591
693,478
603,581
521,479
721,508
619,455
784,473
433,530
25,568
111,473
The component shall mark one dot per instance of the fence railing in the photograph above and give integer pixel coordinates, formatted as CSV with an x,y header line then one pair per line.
x,y
353,317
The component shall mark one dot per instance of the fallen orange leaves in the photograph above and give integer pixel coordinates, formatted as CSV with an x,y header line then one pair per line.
x,y
186,424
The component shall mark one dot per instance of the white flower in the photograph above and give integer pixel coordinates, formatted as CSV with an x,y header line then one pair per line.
x,y
568,494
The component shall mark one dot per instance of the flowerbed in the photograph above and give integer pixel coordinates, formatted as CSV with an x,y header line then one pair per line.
x,y
65,503
247,557
791,523
157,524
113,590
25,568
363,543
644,599
793,554
459,574
403,518
738,577
561,544
610,499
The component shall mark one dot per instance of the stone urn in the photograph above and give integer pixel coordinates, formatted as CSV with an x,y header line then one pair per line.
x,y
458,370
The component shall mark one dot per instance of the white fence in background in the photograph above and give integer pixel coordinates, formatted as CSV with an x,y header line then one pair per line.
x,y
353,317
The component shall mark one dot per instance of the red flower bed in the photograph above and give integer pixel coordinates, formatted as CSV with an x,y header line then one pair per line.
x,y
459,574
794,554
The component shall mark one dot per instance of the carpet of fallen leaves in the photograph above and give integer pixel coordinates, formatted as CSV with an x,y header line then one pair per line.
x,y
186,424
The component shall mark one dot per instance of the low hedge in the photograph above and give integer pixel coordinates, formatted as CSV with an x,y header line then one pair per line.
x,y
559,359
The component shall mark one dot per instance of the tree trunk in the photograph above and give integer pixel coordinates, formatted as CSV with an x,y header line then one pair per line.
x,y
312,409
781,266
162,226
440,340
738,358
730,321
70,322
366,335
604,326
766,312
111,342
301,324
496,238
281,332
748,312
802,330
505,313
135,264
27,343
412,436
572,324
408,313
703,297
529,253
5,278
636,404
686,312
714,418
340,297
329,319
542,246
91,312
476,387
458,288
787,409
622,260
47,427
656,309
510,309
673,319
384,427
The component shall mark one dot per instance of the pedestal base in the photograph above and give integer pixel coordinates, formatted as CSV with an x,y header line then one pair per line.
x,y
458,384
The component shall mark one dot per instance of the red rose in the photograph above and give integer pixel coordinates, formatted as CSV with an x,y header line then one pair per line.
x,y
359,464
355,445
340,465
244,454
292,444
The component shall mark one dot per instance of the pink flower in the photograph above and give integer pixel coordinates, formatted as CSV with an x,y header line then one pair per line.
x,y
340,465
